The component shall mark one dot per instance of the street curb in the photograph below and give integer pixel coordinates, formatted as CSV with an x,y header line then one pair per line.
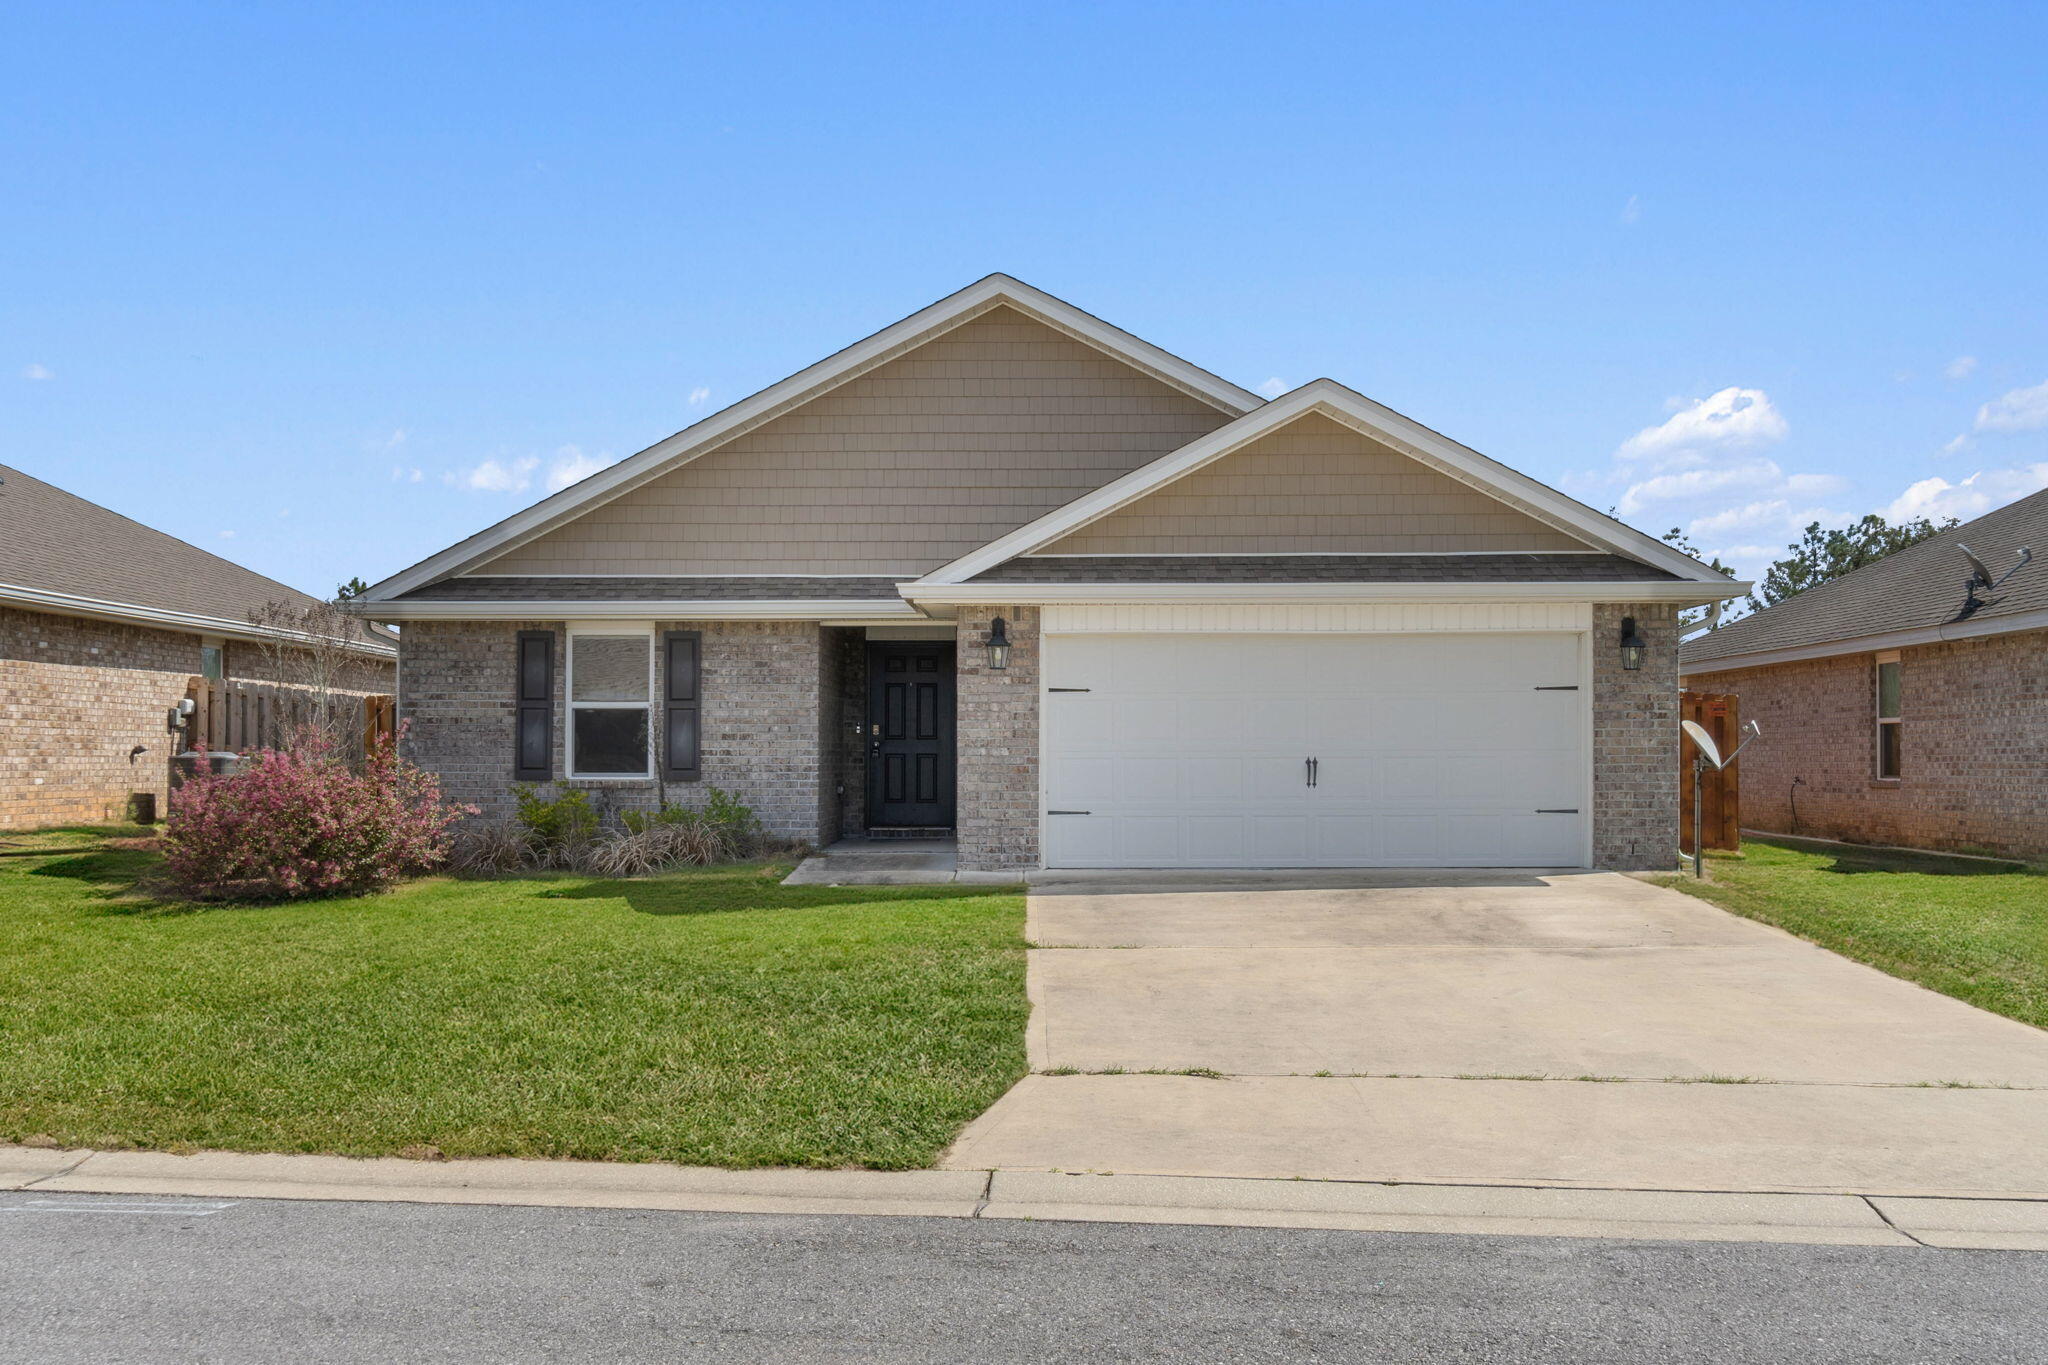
x,y
34,1174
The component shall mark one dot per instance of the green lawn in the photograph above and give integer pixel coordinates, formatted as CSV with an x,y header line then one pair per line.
x,y
707,1017
1974,930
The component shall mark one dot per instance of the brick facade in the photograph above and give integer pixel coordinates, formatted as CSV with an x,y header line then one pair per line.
x,y
1635,740
998,743
79,696
1974,747
769,712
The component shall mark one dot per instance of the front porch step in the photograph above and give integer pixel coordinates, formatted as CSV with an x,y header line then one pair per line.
x,y
905,861
910,832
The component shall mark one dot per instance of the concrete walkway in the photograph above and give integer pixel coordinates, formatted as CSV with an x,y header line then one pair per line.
x,y
1549,1029
39,1180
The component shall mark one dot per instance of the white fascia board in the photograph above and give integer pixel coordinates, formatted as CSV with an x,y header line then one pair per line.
x,y
163,618
1362,414
1691,594
1871,644
722,610
804,385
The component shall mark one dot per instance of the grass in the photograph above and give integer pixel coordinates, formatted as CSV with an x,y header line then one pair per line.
x,y
1977,931
708,1017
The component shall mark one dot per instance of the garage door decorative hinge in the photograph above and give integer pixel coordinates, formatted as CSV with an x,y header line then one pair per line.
x,y
1558,810
1070,689
1070,812
1557,687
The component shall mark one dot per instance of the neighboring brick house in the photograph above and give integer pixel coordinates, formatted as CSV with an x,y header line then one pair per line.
x,y
103,625
1900,704
1005,571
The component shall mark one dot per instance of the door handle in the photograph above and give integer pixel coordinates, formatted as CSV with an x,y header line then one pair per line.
x,y
1311,771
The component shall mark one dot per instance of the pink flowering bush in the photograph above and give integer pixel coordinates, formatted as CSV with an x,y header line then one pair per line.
x,y
299,822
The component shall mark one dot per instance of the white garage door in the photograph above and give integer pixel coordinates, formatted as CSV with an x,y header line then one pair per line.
x,y
1315,751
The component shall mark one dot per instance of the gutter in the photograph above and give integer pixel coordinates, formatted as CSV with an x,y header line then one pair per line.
x,y
789,609
1679,593
1870,644
129,613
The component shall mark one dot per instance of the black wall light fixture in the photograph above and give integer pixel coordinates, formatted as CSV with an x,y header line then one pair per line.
x,y
998,643
1633,646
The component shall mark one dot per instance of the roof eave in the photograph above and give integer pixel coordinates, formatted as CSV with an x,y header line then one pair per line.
x,y
794,609
163,618
1975,628
1678,593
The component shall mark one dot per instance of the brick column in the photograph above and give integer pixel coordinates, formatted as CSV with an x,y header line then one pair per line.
x,y
1635,740
998,743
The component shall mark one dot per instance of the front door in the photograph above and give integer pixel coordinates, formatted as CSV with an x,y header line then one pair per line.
x,y
910,734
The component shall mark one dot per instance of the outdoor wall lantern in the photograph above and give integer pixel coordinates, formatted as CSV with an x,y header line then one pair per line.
x,y
998,643
1632,645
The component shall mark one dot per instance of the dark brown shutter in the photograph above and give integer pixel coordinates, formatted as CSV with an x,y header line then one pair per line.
x,y
680,760
533,756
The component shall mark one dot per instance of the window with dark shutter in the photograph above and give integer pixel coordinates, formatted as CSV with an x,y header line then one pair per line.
x,y
680,761
533,757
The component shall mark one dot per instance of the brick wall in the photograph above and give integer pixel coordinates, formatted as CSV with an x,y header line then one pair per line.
x,y
78,695
766,715
998,743
1635,740
1974,747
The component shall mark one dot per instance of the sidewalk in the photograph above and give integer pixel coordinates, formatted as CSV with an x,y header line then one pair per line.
x,y
36,1175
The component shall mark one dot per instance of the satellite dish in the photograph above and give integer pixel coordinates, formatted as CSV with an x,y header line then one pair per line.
x,y
1703,741
1980,574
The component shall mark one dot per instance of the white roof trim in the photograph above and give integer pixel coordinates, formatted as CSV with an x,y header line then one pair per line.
x,y
724,609
805,384
1361,413
1688,593
1870,644
163,618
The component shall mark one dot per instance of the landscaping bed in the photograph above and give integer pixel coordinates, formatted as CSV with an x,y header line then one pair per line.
x,y
706,1016
1970,928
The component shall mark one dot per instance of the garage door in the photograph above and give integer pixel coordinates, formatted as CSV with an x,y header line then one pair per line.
x,y
1315,751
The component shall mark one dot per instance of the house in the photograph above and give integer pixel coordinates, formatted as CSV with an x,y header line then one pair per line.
x,y
1903,703
104,623
1005,570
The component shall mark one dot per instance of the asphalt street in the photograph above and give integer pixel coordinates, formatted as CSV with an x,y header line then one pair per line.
x,y
109,1278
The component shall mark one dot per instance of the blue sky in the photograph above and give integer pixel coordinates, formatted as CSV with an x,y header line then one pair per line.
x,y
319,287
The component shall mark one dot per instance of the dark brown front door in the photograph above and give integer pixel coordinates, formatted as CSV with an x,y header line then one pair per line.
x,y
910,733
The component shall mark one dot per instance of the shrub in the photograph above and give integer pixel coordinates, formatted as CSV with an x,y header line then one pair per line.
x,y
486,848
558,832
300,823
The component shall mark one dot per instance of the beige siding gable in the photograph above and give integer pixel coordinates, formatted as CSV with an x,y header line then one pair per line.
x,y
1314,486
923,459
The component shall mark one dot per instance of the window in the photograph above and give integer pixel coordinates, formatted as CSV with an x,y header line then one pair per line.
x,y
212,654
611,694
1888,711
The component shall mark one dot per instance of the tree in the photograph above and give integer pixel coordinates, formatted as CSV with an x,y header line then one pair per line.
x,y
1693,618
1821,555
351,590
317,650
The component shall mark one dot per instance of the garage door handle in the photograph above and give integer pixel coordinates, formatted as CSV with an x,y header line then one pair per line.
x,y
1311,771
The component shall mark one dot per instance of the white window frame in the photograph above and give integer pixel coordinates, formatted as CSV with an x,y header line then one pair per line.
x,y
570,705
1881,720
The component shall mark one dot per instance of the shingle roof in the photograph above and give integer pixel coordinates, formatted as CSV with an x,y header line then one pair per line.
x,y
1914,588
57,542
1491,568
654,589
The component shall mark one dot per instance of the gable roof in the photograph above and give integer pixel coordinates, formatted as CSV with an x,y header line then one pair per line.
x,y
1912,596
60,553
994,291
1411,438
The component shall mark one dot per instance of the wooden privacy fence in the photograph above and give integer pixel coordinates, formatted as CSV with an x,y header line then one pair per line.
x,y
238,717
1720,790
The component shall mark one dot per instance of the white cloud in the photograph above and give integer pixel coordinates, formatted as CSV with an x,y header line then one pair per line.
x,y
494,476
2019,410
1684,485
1733,419
406,473
699,396
1632,211
38,372
1273,387
571,465
1957,446
227,535
1936,498
1959,368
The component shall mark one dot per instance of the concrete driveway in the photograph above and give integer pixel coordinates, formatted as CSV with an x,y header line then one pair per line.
x,y
1569,1028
